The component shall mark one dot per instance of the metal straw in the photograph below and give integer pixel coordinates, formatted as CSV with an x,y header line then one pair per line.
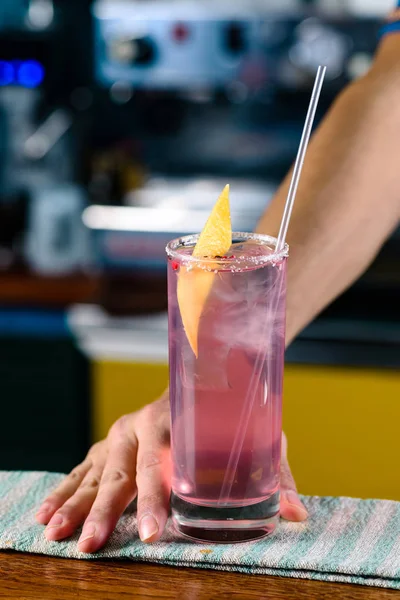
x,y
298,165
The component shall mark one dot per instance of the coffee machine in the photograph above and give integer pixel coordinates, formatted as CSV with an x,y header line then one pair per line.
x,y
192,95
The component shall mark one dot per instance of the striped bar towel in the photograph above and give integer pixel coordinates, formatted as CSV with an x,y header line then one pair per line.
x,y
344,540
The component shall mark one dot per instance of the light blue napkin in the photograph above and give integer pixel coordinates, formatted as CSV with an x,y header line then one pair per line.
x,y
344,540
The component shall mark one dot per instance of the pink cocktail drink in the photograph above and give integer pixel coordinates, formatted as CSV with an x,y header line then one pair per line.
x,y
226,402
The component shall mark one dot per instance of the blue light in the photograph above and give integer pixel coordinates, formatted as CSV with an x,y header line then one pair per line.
x,y
6,73
30,73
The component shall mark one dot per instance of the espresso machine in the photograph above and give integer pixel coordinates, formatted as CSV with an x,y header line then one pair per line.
x,y
192,95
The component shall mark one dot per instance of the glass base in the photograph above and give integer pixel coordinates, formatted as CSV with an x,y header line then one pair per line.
x,y
225,524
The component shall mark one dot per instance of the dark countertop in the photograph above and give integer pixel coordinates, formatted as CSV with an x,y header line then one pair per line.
x,y
26,576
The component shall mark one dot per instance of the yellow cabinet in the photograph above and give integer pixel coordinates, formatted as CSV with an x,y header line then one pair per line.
x,y
123,387
343,430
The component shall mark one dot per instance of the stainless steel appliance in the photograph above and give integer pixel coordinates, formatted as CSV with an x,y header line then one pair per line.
x,y
42,131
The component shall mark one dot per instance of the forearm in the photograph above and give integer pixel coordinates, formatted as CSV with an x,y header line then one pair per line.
x,y
348,201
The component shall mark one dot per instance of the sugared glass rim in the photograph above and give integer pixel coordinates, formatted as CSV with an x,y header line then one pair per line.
x,y
173,247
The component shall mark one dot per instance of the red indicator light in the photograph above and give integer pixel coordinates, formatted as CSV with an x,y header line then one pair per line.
x,y
180,32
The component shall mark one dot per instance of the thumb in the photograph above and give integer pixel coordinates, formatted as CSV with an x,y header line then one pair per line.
x,y
292,508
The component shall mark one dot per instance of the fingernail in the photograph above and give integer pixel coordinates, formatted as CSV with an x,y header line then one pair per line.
x,y
148,527
56,521
88,532
43,509
42,513
41,517
293,499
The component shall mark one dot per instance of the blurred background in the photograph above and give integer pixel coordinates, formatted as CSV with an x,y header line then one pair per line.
x,y
120,122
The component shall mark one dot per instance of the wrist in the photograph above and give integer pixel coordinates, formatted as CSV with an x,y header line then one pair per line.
x,y
164,398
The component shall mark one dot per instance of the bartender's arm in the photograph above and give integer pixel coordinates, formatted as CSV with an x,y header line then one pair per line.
x,y
348,203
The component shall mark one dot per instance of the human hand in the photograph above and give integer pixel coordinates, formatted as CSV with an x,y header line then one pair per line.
x,y
134,460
